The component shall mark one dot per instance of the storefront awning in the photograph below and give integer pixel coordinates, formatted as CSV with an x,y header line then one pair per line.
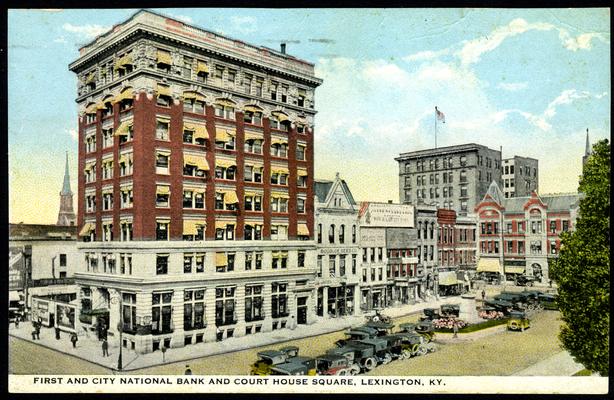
x,y
302,230
514,269
197,161
488,265
447,278
86,229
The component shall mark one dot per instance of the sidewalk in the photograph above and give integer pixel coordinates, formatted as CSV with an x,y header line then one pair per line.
x,y
560,364
90,349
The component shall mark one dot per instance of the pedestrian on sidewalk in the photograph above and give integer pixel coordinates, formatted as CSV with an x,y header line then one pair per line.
x,y
188,371
17,320
37,330
33,333
105,348
483,294
455,329
57,333
73,339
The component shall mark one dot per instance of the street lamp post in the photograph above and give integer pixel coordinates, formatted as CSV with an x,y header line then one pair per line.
x,y
121,328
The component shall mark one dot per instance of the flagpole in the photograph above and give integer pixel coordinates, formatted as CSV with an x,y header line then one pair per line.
x,y
435,127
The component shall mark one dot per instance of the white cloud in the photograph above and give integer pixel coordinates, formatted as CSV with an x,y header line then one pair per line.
x,y
513,86
86,31
244,24
73,134
384,72
566,97
183,18
426,55
61,39
580,42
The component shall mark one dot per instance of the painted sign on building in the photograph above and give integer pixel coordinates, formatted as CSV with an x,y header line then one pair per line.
x,y
40,311
373,237
386,215
65,315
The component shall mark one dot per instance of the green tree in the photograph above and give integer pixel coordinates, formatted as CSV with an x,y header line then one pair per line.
x,y
582,270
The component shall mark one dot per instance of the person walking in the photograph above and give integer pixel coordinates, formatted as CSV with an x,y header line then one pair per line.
x,y
57,333
74,339
455,329
37,330
17,320
188,371
483,294
105,348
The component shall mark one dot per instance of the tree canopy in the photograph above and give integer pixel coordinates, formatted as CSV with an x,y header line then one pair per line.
x,y
582,270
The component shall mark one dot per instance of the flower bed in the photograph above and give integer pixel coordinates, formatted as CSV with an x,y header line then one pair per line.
x,y
447,323
491,314
475,327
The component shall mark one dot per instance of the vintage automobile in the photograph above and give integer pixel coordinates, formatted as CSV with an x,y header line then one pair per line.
x,y
430,314
362,332
383,328
548,301
450,310
518,321
503,306
413,344
269,358
525,280
295,368
331,364
423,328
357,353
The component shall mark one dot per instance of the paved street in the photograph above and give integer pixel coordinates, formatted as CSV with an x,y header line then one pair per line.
x,y
494,352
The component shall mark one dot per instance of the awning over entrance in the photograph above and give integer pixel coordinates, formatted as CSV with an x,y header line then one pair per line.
x,y
514,269
488,265
14,295
447,278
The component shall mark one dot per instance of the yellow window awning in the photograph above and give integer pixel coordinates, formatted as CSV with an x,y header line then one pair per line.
x,y
163,57
447,278
279,141
280,195
125,188
190,226
163,90
123,221
514,269
163,118
91,109
488,265
163,189
254,164
108,190
225,103
202,68
302,172
125,158
230,197
281,117
220,259
123,129
91,77
124,60
220,162
107,99
251,194
223,134
253,109
86,229
302,229
197,161
125,95
200,131
279,171
193,96
252,136
89,166
302,92
163,152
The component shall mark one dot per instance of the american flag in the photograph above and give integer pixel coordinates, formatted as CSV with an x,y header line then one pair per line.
x,y
440,116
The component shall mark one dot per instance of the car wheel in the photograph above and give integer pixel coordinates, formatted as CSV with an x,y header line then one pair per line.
x,y
354,370
406,354
422,350
387,359
370,363
341,372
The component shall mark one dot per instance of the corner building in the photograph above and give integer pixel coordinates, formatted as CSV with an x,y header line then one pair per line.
x,y
195,203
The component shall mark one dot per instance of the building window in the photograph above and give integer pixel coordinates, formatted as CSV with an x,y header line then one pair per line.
x,y
552,226
162,163
252,174
463,176
279,260
253,117
161,313
163,194
129,312
193,309
252,232
194,106
90,203
536,247
227,173
253,146
107,201
126,197
225,112
225,306
279,300
565,225
125,164
226,144
536,227
90,143
107,232
161,264
279,232
162,230
331,233
301,259
125,264
253,202
553,249
279,150
107,138
253,303
300,206
279,205
126,231
193,199
300,152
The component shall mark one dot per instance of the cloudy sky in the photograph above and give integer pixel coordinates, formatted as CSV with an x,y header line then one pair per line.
x,y
531,81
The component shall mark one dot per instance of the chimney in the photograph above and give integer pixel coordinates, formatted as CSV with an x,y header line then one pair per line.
x,y
283,48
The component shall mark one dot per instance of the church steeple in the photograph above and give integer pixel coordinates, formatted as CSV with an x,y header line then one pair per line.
x,y
66,216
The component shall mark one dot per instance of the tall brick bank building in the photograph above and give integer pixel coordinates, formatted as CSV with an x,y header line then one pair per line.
x,y
196,193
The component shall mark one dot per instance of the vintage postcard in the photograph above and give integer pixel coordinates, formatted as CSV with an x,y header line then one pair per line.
x,y
309,200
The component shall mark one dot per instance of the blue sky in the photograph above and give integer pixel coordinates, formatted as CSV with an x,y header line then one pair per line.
x,y
531,81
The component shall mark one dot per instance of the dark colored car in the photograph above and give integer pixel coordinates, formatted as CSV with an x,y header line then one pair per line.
x,y
450,310
525,280
548,301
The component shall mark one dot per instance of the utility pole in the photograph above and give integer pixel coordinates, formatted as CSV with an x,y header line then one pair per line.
x,y
121,329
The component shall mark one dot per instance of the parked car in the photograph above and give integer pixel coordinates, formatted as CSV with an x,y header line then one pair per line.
x,y
518,321
331,364
362,332
525,280
548,301
382,328
430,314
294,368
450,310
358,353
424,328
269,358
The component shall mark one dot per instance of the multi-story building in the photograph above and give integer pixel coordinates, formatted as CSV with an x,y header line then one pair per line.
x,y
337,234
456,250
452,177
66,215
519,176
381,267
521,235
426,248
42,260
195,184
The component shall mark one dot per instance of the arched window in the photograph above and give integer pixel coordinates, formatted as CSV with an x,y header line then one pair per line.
x,y
342,234
331,234
353,233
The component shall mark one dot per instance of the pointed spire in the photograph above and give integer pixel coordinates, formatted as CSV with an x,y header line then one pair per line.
x,y
495,193
66,185
587,150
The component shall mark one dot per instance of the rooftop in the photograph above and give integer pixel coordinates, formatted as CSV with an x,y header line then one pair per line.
x,y
41,232
442,150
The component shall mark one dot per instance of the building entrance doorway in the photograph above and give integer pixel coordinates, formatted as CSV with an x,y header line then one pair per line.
x,y
301,310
